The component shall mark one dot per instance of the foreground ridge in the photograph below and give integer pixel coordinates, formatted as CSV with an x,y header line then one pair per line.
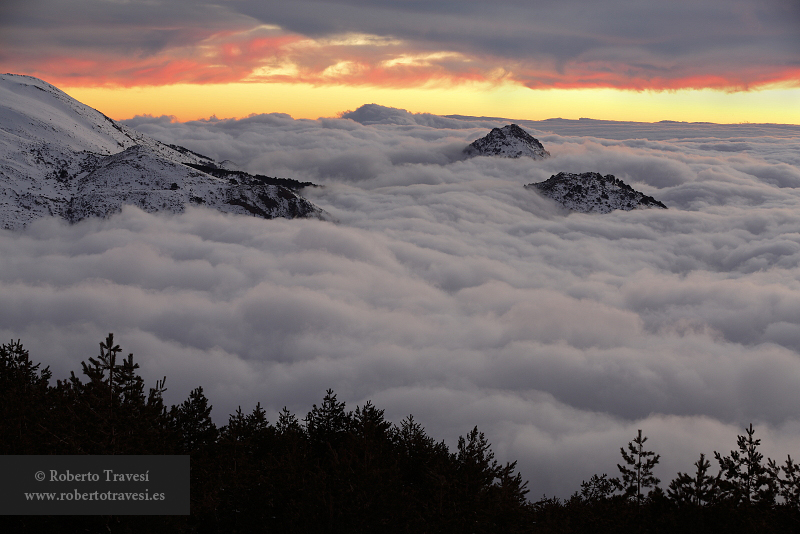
x,y
338,470
334,470
591,192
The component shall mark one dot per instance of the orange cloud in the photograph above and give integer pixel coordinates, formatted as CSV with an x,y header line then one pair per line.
x,y
622,76
266,54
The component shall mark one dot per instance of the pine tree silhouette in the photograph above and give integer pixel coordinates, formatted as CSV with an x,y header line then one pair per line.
x,y
790,485
638,473
24,389
193,420
699,490
747,480
598,488
329,421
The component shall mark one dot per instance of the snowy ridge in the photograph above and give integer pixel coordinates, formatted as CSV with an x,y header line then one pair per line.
x,y
510,141
591,192
44,113
59,157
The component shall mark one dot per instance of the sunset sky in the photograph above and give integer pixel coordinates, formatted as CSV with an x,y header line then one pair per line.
x,y
699,60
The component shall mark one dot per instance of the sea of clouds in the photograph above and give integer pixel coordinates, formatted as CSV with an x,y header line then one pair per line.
x,y
440,287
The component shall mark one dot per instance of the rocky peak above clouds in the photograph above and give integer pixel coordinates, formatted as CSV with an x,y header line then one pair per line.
x,y
591,192
510,141
59,157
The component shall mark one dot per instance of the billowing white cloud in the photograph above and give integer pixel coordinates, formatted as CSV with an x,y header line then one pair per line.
x,y
447,290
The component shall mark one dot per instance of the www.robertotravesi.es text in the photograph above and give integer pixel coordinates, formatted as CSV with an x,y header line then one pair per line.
x,y
76,495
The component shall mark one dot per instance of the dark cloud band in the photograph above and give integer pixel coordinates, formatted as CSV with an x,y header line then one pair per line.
x,y
614,43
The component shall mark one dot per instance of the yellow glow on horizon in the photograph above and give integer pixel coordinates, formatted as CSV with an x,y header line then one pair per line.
x,y
190,102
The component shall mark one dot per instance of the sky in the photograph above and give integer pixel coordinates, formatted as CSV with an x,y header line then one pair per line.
x,y
440,287
724,61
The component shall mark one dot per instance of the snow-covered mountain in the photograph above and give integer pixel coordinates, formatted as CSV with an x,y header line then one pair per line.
x,y
60,157
510,141
590,192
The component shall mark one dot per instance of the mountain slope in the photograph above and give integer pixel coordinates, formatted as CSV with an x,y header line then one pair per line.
x,y
60,157
590,192
510,141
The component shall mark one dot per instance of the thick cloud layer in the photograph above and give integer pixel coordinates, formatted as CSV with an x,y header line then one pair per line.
x,y
447,290
641,44
615,43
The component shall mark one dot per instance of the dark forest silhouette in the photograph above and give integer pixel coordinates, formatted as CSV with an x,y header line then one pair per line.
x,y
354,471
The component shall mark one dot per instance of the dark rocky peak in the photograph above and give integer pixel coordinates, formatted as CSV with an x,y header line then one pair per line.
x,y
591,192
510,141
